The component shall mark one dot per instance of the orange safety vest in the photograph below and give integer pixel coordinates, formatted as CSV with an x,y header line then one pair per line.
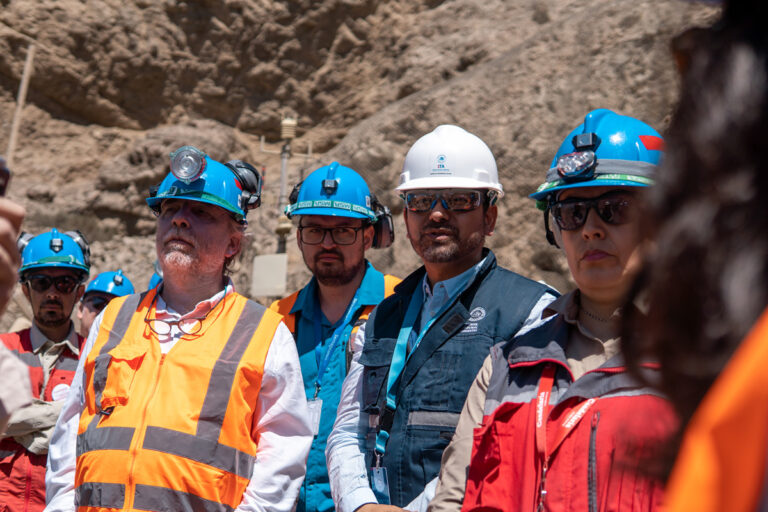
x,y
171,431
722,461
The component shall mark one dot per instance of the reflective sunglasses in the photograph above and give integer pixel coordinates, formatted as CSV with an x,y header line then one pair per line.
x,y
41,283
613,207
314,235
455,200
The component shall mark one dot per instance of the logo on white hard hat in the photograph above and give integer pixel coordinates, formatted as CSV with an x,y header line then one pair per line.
x,y
441,166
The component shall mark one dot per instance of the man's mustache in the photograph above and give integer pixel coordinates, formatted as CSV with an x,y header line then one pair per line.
x,y
439,226
52,302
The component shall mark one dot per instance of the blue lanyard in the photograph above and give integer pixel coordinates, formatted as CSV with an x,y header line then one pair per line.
x,y
341,332
400,355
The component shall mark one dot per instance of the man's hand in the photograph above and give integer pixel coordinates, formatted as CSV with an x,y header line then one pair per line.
x,y
11,215
375,507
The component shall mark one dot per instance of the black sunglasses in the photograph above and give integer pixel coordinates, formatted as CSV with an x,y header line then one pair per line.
x,y
460,200
41,283
96,302
613,207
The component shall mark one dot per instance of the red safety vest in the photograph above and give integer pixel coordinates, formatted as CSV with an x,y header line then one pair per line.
x,y
22,473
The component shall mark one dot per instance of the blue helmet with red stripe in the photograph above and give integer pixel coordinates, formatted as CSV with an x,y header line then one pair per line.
x,y
607,149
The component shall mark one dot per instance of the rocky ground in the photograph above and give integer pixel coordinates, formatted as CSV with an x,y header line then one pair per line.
x,y
118,84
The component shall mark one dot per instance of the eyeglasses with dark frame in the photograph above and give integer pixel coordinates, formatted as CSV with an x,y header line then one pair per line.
x,y
613,207
458,200
42,283
187,326
342,235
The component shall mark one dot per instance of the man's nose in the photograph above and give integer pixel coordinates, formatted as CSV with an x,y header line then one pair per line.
x,y
327,240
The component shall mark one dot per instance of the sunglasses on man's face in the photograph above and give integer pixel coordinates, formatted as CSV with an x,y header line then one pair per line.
x,y
420,201
96,303
613,207
41,283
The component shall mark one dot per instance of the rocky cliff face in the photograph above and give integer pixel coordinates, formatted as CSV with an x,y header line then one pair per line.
x,y
117,85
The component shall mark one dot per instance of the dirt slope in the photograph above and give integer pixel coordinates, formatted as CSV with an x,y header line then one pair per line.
x,y
117,85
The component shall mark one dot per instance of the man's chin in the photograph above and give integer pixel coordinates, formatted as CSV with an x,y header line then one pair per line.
x,y
52,321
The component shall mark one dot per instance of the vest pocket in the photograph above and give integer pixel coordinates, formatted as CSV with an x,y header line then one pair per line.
x,y
113,376
376,358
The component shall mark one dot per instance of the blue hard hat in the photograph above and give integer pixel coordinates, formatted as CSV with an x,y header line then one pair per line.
x,y
607,149
332,190
234,186
114,283
54,249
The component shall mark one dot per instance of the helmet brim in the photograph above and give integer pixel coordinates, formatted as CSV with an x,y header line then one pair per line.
x,y
331,212
436,182
543,194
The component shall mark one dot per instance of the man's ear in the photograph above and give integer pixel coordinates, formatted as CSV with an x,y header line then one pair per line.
x,y
25,289
489,217
80,292
368,232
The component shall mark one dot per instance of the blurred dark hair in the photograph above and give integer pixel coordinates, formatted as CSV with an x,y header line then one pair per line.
x,y
706,282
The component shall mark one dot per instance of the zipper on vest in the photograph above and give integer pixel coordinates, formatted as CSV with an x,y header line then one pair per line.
x,y
130,490
592,469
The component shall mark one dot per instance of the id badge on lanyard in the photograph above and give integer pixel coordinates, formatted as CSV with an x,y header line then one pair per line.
x,y
315,405
380,483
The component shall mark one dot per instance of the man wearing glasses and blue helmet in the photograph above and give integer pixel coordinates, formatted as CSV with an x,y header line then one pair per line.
x,y
185,383
339,219
53,268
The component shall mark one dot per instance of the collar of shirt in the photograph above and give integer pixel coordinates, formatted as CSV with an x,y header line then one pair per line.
x,y
436,297
568,306
166,313
370,292
38,339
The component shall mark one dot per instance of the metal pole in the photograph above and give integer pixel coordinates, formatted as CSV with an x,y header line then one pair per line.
x,y
285,154
20,102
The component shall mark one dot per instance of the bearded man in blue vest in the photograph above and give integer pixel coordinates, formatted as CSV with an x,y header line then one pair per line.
x,y
415,358
339,219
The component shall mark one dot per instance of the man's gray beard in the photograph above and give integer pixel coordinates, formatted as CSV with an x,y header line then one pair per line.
x,y
338,277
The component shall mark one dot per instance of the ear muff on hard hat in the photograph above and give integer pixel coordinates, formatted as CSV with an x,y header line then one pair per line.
x,y
251,180
235,186
383,227
607,149
69,249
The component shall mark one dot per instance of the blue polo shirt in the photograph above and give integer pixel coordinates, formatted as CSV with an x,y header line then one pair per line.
x,y
316,490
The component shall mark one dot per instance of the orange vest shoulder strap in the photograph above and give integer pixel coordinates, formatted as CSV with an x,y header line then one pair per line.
x,y
389,284
283,306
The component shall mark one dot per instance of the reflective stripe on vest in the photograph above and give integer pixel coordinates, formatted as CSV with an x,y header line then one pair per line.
x,y
205,468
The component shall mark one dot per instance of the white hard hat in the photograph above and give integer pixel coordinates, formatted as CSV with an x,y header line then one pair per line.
x,y
449,157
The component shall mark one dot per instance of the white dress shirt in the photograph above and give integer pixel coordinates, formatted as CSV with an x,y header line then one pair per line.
x,y
345,452
284,432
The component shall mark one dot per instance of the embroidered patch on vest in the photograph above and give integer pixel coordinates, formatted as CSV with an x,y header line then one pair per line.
x,y
452,323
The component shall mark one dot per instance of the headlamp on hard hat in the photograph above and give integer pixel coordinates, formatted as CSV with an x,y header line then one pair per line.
x,y
576,166
187,163
579,165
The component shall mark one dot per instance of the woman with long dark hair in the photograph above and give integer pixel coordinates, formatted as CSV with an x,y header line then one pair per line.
x,y
707,281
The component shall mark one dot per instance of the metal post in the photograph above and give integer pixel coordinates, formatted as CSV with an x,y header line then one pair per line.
x,y
20,102
285,155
